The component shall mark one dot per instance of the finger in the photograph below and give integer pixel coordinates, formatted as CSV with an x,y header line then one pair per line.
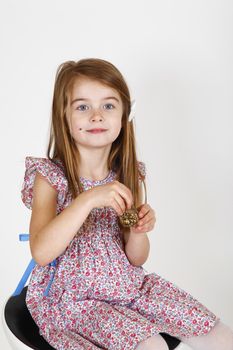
x,y
143,224
143,229
125,193
120,204
115,205
149,226
144,210
146,228
117,202
148,216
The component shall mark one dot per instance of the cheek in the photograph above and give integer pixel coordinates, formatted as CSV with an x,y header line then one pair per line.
x,y
76,126
74,123
117,128
118,125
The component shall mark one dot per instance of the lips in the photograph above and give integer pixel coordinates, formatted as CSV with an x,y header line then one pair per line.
x,y
96,131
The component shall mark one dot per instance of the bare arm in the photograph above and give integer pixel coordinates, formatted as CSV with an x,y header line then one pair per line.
x,y
137,245
50,234
137,248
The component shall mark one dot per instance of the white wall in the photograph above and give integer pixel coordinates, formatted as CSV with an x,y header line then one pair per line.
x,y
177,58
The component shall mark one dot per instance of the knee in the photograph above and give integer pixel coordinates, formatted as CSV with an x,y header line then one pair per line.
x,y
155,342
219,337
222,331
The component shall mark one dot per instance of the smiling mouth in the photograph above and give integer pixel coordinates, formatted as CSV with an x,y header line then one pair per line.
x,y
96,131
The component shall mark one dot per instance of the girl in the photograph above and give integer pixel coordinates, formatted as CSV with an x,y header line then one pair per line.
x,y
89,289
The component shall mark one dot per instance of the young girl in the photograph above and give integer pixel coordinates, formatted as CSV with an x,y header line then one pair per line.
x,y
88,289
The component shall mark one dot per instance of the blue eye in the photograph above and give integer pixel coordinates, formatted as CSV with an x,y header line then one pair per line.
x,y
109,105
82,107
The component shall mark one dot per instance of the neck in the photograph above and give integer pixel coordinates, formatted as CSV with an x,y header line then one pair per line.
x,y
93,163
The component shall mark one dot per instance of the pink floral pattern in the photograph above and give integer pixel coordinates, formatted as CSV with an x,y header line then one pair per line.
x,y
98,300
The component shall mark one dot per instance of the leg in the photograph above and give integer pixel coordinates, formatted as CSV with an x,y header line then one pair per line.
x,y
220,337
156,342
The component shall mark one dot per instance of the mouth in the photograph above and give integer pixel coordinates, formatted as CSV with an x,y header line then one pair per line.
x,y
96,131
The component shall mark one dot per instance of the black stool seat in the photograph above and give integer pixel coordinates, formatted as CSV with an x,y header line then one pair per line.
x,y
22,325
171,341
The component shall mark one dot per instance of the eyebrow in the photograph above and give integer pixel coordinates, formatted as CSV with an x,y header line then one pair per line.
x,y
87,99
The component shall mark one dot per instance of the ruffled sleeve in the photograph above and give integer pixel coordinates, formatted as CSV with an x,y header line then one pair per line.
x,y
142,170
51,172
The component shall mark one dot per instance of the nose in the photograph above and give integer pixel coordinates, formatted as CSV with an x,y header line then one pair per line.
x,y
96,115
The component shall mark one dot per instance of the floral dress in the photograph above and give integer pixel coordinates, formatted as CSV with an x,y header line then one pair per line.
x,y
97,299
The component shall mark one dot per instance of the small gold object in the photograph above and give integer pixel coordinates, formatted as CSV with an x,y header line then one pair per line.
x,y
130,217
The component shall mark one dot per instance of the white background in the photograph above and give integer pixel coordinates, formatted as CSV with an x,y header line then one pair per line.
x,y
177,59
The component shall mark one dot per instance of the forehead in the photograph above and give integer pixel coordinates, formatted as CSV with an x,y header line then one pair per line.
x,y
91,89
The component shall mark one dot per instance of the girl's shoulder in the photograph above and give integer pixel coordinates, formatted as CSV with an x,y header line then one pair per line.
x,y
43,163
52,171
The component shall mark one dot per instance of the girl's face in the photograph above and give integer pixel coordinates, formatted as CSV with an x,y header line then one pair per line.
x,y
95,113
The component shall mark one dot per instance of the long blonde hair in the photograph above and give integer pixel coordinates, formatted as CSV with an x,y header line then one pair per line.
x,y
122,157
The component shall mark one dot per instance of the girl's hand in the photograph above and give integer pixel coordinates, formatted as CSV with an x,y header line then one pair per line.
x,y
113,194
146,221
